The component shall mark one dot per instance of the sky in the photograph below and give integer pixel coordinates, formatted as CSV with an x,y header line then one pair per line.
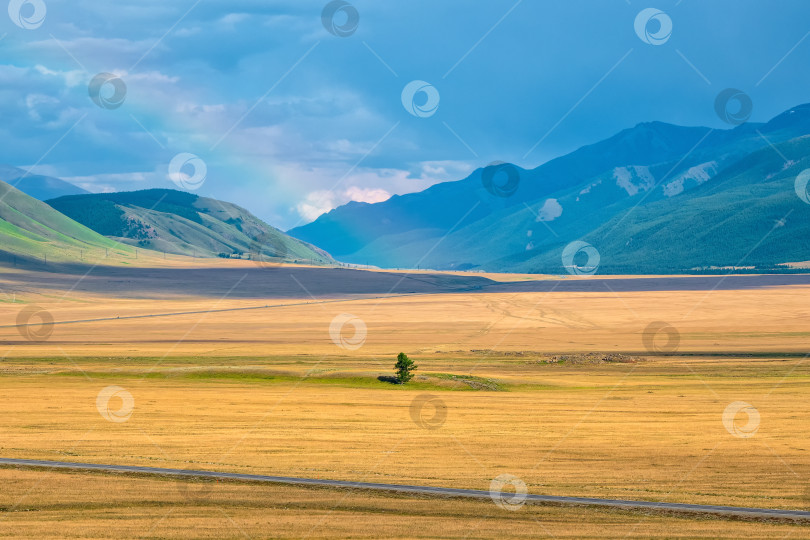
x,y
292,107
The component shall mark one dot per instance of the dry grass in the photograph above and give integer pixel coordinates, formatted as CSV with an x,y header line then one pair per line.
x,y
650,430
41,504
721,321
267,391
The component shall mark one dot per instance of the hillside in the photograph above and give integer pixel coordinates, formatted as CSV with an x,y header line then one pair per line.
x,y
186,224
652,198
38,186
32,231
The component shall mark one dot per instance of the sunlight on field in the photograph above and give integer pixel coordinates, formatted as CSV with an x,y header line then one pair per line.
x,y
503,387
650,430
59,504
723,321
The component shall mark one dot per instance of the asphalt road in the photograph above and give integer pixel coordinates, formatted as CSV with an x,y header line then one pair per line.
x,y
794,515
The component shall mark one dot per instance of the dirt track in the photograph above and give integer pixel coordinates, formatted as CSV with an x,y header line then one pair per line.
x,y
729,511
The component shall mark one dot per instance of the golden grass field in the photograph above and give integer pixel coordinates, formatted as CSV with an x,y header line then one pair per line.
x,y
68,505
267,391
652,430
430,322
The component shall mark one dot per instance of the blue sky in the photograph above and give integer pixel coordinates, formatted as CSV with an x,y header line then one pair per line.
x,y
291,120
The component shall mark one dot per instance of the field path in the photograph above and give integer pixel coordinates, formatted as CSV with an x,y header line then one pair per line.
x,y
733,511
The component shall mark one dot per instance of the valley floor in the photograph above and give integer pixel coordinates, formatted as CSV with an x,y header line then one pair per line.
x,y
504,387
69,505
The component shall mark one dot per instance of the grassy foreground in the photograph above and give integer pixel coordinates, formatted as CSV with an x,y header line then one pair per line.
x,y
651,430
723,421
58,504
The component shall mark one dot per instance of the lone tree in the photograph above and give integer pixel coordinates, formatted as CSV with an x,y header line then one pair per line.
x,y
405,368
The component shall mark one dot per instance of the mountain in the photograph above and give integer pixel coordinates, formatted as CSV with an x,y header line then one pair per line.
x,y
652,198
30,230
38,186
183,223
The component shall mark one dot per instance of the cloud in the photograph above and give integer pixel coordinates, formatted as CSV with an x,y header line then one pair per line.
x,y
369,184
551,210
321,125
110,183
367,195
449,170
320,202
232,19
94,53
188,32
152,77
36,103
71,78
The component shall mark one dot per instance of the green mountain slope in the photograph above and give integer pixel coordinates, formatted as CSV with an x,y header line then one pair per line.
x,y
30,229
653,198
747,216
186,224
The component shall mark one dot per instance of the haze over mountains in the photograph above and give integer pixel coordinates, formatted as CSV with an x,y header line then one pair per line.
x,y
36,185
653,198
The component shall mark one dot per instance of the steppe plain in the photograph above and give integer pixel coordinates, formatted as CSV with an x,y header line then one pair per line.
x,y
614,387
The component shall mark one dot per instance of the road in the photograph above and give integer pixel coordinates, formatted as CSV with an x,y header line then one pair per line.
x,y
793,515
615,285
208,311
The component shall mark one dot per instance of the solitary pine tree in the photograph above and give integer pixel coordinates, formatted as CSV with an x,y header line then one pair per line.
x,y
405,368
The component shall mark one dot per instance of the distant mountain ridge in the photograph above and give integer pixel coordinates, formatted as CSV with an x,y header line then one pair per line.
x,y
38,186
626,196
184,223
